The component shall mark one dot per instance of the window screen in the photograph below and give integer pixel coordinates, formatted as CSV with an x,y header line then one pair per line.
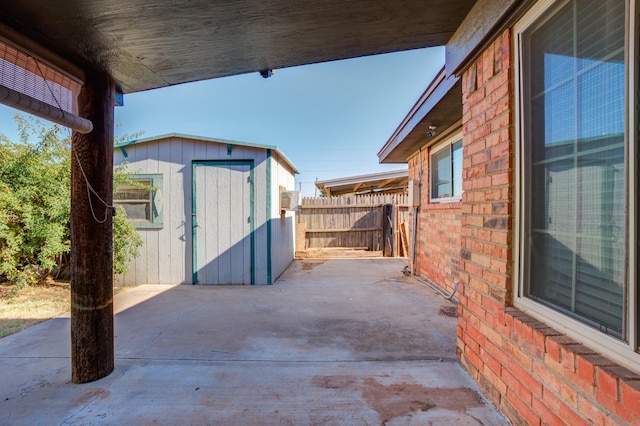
x,y
30,76
446,171
142,202
136,201
574,97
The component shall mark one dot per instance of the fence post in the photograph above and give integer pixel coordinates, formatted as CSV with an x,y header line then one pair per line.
x,y
387,230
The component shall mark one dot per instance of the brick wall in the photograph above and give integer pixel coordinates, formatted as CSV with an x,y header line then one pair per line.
x,y
533,373
439,231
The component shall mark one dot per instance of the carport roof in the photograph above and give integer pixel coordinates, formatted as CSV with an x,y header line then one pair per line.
x,y
145,45
390,181
274,148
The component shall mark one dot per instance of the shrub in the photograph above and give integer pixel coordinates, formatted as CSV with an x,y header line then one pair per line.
x,y
35,182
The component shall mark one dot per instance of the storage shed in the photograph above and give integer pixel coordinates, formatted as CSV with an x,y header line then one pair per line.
x,y
214,214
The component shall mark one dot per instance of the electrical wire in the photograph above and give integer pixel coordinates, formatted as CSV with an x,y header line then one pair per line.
x,y
90,191
47,83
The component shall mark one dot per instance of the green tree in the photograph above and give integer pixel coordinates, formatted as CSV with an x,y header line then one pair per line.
x,y
126,241
35,181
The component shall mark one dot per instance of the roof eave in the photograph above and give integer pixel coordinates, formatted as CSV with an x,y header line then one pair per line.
x,y
210,140
439,107
351,184
360,178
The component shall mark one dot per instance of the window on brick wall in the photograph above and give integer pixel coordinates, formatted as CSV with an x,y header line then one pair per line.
x,y
446,170
574,151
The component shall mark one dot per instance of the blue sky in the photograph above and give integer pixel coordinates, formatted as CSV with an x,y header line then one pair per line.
x,y
329,119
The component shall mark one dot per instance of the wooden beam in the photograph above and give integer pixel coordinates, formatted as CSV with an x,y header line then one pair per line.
x,y
404,238
328,230
92,349
344,206
384,183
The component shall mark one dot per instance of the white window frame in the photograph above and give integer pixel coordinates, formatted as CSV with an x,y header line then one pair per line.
x,y
623,352
437,148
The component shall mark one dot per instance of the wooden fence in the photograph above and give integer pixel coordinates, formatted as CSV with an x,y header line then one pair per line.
x,y
371,222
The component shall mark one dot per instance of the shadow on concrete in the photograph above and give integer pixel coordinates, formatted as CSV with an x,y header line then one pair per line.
x,y
332,342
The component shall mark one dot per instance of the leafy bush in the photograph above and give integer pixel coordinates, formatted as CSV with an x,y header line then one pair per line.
x,y
35,206
126,240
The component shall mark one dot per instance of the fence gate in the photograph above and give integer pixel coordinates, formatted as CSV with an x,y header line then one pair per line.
x,y
366,222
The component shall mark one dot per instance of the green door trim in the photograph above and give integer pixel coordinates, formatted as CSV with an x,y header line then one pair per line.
x,y
194,223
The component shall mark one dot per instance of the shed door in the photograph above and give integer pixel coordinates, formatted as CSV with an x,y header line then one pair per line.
x,y
222,222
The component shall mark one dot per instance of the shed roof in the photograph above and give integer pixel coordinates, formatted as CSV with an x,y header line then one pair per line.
x,y
146,45
209,140
392,181
439,107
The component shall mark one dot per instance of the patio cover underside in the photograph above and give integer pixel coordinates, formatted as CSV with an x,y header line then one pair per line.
x,y
145,45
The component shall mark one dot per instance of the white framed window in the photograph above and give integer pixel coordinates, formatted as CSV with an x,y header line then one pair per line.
x,y
445,162
142,201
576,204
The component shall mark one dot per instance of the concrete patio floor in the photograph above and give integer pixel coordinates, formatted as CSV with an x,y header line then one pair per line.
x,y
332,342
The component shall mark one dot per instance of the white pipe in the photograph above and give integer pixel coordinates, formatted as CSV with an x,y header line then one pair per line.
x,y
41,109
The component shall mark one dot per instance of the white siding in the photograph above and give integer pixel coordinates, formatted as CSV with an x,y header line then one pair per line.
x,y
260,221
282,225
166,256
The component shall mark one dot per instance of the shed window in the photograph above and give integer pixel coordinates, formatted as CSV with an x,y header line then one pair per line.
x,y
446,171
143,205
575,199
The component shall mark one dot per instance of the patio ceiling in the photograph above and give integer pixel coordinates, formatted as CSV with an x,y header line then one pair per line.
x,y
150,44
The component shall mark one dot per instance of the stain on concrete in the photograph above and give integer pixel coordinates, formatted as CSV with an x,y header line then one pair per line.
x,y
401,399
299,352
334,382
373,339
307,266
395,400
448,311
91,394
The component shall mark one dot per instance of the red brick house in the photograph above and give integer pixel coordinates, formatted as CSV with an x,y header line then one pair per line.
x,y
524,153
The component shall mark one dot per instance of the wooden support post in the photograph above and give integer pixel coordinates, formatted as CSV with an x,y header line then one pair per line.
x,y
92,351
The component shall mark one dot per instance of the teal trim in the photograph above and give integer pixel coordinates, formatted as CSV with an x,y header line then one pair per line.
x,y
168,136
229,149
194,226
268,222
118,98
194,237
124,152
224,163
157,205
